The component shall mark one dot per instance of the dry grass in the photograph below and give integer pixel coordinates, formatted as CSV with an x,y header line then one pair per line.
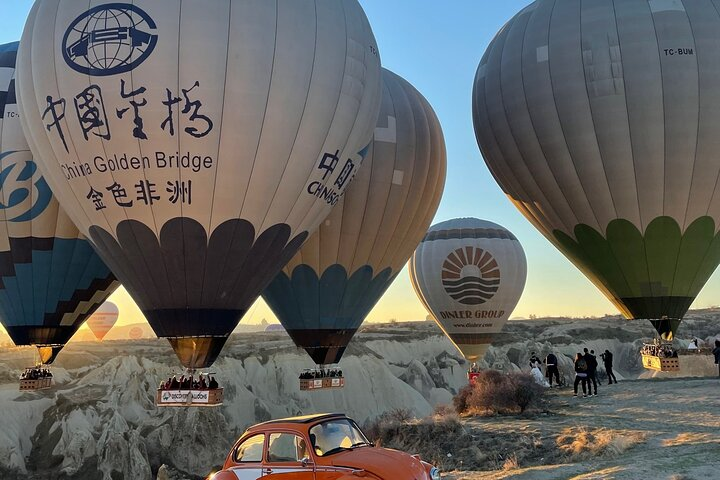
x,y
579,443
689,438
511,463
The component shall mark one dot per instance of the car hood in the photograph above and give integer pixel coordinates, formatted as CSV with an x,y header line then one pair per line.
x,y
382,462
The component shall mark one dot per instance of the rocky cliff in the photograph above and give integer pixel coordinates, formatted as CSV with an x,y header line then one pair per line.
x,y
99,420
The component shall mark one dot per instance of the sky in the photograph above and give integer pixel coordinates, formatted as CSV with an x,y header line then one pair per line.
x,y
437,46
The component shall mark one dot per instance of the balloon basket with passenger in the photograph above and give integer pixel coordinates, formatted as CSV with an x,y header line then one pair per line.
x,y
660,356
321,378
35,378
190,390
39,377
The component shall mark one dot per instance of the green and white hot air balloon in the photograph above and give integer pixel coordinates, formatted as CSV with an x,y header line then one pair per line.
x,y
601,122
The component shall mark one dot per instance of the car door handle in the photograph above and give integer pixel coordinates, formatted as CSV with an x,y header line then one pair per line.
x,y
268,471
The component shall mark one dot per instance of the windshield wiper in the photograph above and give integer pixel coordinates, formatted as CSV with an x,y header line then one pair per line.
x,y
362,444
335,450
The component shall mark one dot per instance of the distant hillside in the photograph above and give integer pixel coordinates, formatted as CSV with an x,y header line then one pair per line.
x,y
100,419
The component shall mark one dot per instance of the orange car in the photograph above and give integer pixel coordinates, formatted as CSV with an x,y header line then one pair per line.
x,y
317,447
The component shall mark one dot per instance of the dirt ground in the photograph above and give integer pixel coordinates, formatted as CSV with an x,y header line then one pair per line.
x,y
645,429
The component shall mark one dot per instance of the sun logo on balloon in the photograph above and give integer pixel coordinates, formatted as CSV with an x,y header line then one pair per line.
x,y
471,275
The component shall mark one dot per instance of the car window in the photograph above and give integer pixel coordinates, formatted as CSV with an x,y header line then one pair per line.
x,y
251,450
336,435
286,447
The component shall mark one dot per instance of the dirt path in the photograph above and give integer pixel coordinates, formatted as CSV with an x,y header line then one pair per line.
x,y
656,429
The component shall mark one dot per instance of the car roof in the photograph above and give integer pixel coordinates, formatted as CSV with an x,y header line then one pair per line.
x,y
299,420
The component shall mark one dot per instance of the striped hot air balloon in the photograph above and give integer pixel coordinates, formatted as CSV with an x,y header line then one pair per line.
x,y
599,119
469,274
51,279
104,318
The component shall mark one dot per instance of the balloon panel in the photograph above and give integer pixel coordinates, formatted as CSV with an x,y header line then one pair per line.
x,y
199,150
470,274
325,292
51,280
599,120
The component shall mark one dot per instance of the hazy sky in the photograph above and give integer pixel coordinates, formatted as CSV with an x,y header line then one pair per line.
x,y
437,46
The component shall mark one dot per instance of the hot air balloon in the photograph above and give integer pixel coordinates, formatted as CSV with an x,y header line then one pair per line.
x,y
325,292
136,333
104,318
198,143
51,280
599,121
469,274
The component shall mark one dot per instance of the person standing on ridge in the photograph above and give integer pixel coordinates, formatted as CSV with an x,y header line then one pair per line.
x,y
607,358
592,365
716,353
551,364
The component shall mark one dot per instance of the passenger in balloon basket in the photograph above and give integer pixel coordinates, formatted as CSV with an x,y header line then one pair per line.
x,y
581,375
204,381
321,377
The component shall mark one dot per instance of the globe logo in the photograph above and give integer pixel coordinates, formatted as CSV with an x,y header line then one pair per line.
x,y
470,275
109,39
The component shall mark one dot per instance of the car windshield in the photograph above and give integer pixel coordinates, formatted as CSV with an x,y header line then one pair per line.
x,y
336,436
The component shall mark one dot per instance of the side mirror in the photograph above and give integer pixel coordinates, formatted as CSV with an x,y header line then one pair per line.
x,y
306,462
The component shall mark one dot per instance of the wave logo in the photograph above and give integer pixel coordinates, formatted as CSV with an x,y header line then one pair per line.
x,y
471,275
23,194
109,39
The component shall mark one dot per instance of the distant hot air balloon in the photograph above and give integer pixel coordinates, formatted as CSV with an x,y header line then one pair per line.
x,y
198,143
51,280
599,121
103,319
469,274
274,327
136,333
326,291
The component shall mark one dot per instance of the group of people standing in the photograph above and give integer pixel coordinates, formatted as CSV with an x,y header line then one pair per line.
x,y
203,382
586,366
35,373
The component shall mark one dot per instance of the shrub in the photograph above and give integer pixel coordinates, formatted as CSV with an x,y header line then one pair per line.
x,y
495,392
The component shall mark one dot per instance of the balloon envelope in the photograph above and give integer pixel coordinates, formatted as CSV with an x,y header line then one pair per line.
x,y
326,291
469,274
136,333
599,121
51,280
103,319
198,150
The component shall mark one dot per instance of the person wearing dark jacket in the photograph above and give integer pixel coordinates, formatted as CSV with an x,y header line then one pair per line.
x,y
580,374
716,353
607,358
592,365
551,369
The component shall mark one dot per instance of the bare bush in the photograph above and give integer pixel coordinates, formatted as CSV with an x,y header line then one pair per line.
x,y
496,392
